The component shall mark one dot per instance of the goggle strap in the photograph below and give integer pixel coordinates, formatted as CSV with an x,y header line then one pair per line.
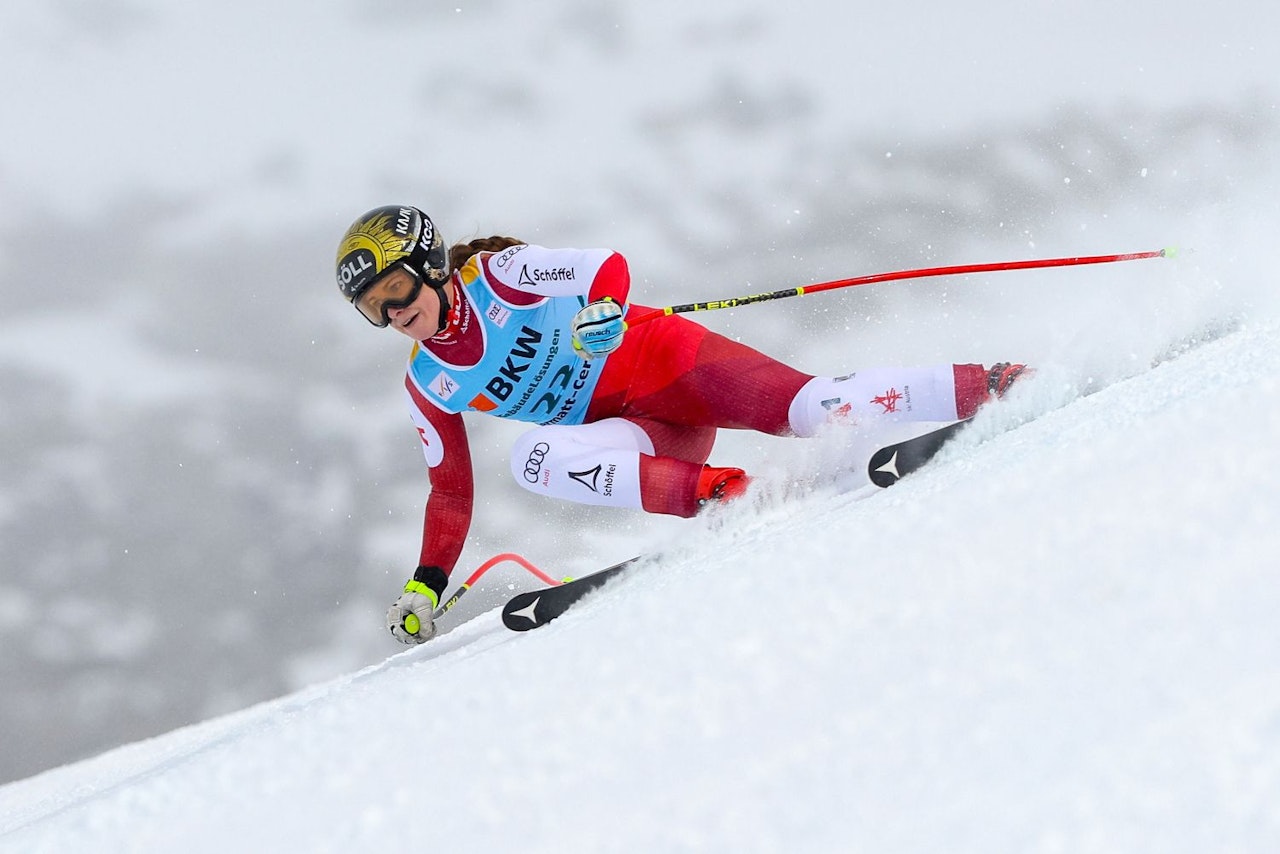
x,y
439,288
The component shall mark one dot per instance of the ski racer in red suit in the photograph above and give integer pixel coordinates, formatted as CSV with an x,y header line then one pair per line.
x,y
626,418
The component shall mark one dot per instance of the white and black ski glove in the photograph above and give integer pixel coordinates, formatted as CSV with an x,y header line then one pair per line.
x,y
410,619
598,327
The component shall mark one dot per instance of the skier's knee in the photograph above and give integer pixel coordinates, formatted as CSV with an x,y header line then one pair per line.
x,y
554,462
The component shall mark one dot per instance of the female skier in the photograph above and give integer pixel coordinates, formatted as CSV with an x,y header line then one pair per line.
x,y
627,418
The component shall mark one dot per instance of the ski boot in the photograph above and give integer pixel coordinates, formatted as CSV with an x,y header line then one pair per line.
x,y
721,485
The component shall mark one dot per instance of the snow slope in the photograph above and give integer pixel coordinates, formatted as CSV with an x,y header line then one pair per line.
x,y
1060,637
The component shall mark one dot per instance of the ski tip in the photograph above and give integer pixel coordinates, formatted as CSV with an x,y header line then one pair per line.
x,y
1169,252
882,470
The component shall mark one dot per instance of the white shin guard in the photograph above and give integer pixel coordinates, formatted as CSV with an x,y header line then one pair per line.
x,y
596,463
878,394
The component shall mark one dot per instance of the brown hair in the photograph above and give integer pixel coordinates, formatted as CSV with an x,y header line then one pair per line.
x,y
460,252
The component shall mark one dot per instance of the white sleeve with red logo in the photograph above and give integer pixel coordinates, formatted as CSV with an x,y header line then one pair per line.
x,y
591,273
452,498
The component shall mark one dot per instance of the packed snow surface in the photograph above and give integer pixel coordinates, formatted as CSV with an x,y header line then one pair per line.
x,y
1059,637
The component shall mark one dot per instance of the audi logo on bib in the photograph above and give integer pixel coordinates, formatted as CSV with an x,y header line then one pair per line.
x,y
533,465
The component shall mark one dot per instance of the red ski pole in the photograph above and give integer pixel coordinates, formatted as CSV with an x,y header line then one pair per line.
x,y
922,273
485,567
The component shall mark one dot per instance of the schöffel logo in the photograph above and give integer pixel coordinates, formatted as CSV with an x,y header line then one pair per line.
x,y
537,276
591,479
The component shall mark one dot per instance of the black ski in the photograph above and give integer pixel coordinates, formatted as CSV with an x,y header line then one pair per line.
x,y
894,462
538,607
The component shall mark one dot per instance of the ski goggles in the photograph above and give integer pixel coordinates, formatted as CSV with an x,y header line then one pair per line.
x,y
395,287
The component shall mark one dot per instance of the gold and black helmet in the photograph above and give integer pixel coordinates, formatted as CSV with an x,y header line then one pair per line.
x,y
385,239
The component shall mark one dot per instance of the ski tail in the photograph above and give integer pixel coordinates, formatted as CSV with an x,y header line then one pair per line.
x,y
536,608
893,462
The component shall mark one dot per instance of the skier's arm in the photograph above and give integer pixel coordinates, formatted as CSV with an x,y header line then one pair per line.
x,y
598,277
612,281
449,505
591,273
445,522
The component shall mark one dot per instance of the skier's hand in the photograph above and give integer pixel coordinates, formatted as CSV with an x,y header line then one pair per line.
x,y
409,620
597,328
